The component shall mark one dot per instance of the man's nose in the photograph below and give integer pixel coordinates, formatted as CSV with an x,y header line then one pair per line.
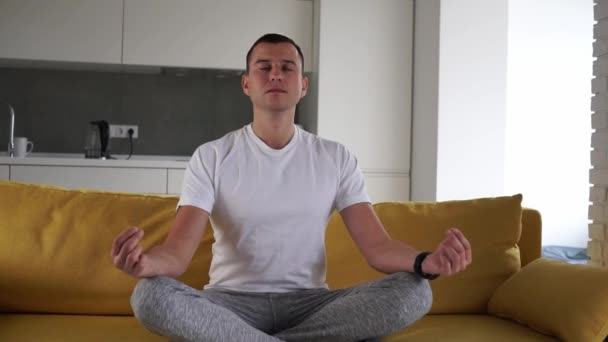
x,y
276,73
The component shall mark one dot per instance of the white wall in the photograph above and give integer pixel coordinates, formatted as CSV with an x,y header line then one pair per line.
x,y
548,113
472,97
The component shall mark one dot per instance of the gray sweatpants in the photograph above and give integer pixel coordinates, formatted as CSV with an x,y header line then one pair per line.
x,y
367,311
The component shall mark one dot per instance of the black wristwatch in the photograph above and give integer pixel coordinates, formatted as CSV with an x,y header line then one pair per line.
x,y
418,267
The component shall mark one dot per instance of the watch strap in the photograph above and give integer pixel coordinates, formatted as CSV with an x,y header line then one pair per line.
x,y
418,266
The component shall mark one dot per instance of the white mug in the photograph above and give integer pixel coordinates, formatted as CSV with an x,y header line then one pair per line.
x,y
23,147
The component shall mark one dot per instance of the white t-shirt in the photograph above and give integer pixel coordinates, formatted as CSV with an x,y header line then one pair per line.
x,y
269,208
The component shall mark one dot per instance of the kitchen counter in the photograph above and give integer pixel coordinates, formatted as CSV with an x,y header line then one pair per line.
x,y
75,159
141,173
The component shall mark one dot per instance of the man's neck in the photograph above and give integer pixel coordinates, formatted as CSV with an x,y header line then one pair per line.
x,y
274,129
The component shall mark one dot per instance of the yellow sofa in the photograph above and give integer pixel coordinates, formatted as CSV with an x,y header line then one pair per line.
x,y
57,281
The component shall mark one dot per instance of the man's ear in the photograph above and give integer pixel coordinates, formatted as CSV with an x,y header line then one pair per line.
x,y
304,86
245,83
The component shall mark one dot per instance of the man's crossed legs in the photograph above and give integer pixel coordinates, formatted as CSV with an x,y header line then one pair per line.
x,y
370,310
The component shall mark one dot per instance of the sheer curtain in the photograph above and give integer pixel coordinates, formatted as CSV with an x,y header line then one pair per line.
x,y
548,121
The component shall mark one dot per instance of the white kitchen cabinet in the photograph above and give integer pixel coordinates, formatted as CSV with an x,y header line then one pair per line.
x,y
5,172
365,87
61,30
141,180
175,177
210,33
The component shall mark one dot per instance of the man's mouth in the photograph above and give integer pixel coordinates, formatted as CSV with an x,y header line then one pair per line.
x,y
276,90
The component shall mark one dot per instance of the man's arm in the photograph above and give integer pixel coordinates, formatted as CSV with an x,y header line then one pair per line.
x,y
388,255
172,257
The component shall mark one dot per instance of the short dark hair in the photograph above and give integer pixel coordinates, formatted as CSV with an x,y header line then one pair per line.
x,y
273,38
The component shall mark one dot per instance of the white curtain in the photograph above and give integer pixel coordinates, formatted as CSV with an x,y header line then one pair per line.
x,y
548,128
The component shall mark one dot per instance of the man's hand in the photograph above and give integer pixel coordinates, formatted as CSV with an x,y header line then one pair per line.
x,y
170,258
127,254
451,256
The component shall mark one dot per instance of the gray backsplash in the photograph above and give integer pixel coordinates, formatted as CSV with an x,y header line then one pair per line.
x,y
174,114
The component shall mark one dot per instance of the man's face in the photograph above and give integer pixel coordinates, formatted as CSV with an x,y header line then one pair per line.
x,y
274,82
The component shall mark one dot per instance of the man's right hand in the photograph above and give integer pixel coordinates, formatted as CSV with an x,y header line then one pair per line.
x,y
170,258
127,254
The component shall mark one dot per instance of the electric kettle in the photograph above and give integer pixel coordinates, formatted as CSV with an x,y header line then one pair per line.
x,y
96,145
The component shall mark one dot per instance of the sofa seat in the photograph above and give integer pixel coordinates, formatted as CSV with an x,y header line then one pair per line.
x,y
469,328
73,328
432,328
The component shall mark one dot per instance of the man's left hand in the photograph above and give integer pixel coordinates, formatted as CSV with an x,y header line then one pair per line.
x,y
453,255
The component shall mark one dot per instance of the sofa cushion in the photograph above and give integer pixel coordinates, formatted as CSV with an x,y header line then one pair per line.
x,y
469,328
568,301
55,247
492,225
74,328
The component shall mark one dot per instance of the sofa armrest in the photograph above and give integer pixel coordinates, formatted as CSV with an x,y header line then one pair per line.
x,y
553,297
531,235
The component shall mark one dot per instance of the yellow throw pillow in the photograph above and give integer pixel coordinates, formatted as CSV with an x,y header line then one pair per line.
x,y
492,225
557,298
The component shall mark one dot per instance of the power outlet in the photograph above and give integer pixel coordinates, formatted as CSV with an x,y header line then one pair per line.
x,y
122,131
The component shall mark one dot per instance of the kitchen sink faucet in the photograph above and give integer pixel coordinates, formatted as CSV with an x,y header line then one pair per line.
x,y
11,131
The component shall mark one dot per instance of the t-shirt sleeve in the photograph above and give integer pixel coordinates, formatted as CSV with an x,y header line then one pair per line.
x,y
351,189
198,188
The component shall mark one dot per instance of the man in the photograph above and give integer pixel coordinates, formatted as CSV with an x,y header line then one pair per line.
x,y
269,190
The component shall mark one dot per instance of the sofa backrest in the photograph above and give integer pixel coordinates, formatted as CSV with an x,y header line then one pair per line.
x,y
492,225
55,247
